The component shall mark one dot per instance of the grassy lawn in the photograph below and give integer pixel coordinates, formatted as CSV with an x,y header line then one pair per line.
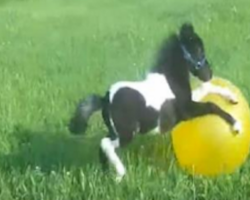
x,y
54,52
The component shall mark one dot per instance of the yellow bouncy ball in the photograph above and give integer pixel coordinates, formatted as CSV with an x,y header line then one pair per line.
x,y
207,145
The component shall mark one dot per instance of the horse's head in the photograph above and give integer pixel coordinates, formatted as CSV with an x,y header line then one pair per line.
x,y
194,53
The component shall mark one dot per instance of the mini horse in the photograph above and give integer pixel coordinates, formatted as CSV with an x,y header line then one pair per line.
x,y
159,102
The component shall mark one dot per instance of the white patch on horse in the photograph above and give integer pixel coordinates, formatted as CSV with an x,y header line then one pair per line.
x,y
237,127
223,92
155,89
113,125
108,146
200,92
209,88
157,129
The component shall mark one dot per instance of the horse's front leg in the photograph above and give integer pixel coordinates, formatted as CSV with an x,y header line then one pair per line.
x,y
168,117
209,88
194,109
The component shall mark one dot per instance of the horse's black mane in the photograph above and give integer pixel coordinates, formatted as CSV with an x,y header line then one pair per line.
x,y
167,49
170,60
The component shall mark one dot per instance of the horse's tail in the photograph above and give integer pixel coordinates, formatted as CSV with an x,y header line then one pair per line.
x,y
85,108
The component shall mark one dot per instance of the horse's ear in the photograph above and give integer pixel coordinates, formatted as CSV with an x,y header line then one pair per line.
x,y
186,30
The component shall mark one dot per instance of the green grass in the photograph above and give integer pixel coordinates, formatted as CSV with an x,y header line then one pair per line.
x,y
54,52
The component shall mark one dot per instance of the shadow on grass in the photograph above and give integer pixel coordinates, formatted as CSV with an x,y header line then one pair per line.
x,y
55,150
51,151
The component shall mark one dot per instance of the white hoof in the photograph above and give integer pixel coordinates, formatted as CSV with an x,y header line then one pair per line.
x,y
237,127
118,179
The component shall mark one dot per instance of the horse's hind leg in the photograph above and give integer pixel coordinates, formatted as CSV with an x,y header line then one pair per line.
x,y
108,154
108,146
121,128
119,136
121,116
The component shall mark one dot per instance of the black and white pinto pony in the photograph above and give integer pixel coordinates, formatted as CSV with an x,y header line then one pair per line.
x,y
157,103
